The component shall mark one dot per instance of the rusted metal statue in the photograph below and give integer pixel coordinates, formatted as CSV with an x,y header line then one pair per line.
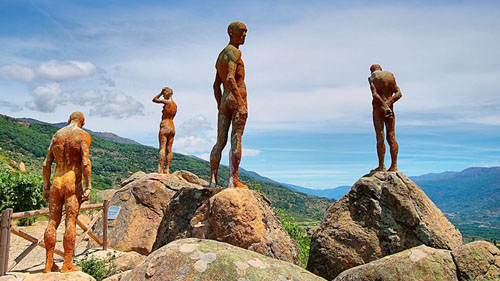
x,y
70,186
167,129
385,93
232,104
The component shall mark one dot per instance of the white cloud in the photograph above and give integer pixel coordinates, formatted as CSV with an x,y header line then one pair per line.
x,y
192,144
65,70
17,72
86,97
11,106
118,105
250,152
46,97
103,103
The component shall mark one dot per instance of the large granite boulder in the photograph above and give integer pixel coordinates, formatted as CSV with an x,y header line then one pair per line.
x,y
477,261
143,200
240,217
199,259
176,223
421,263
384,213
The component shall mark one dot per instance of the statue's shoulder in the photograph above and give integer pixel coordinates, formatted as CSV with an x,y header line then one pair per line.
x,y
231,53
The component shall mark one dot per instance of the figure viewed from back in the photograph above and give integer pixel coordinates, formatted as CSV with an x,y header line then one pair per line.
x,y
232,104
385,93
70,186
167,129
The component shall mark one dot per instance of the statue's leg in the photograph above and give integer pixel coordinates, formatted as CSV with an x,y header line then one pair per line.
x,y
378,123
222,130
393,144
239,122
55,213
169,153
162,138
72,205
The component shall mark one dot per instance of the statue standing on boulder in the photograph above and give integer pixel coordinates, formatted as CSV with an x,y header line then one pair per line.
x,y
167,129
232,104
385,93
70,186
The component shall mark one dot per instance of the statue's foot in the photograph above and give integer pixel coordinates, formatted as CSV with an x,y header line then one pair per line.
x,y
393,169
70,267
240,185
52,268
378,169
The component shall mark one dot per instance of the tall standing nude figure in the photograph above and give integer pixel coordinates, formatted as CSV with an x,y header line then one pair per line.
x,y
232,104
167,129
385,93
70,186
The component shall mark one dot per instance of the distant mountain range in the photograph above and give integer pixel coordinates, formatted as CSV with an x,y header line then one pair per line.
x,y
105,135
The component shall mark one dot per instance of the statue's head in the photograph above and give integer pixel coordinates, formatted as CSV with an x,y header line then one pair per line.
x,y
167,92
375,67
77,118
237,32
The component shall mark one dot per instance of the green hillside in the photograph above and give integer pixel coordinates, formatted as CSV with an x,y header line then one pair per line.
x,y
470,198
111,162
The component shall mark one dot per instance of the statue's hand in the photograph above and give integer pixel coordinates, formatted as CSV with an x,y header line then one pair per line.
x,y
387,110
389,113
86,194
45,194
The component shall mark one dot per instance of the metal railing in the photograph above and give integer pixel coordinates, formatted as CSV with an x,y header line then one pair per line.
x,y
6,229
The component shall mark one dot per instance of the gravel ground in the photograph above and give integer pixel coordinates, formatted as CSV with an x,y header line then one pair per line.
x,y
35,261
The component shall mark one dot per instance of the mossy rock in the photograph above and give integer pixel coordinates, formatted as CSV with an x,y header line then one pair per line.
x,y
199,259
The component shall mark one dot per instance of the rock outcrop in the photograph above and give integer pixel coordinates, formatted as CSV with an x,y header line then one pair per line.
x,y
384,213
122,261
240,217
176,223
190,177
57,276
143,201
477,261
421,263
199,259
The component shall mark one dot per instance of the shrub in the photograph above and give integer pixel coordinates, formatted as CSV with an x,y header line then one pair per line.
x,y
296,233
20,191
98,268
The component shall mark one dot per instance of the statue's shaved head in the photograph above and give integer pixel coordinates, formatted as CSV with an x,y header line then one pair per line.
x,y
77,117
235,26
375,67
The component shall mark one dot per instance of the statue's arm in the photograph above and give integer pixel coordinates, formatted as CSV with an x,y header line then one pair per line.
x,y
157,99
217,89
87,167
47,169
397,95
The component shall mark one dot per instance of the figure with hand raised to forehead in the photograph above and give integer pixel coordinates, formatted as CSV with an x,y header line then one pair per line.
x,y
385,92
71,186
231,103
167,129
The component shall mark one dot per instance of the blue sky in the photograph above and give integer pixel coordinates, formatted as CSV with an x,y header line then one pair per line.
x,y
307,65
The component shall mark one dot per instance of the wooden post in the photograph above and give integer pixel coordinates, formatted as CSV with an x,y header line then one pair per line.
x,y
105,207
5,225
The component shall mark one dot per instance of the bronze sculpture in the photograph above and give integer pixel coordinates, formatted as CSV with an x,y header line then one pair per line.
x,y
71,186
232,104
385,93
167,129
